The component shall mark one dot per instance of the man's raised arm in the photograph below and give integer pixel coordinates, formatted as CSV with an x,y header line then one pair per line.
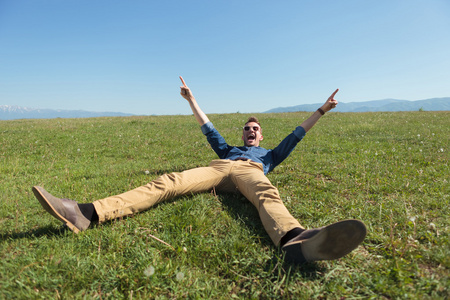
x,y
329,104
186,93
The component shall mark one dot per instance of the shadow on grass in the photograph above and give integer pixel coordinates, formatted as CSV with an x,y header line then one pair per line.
x,y
308,271
48,231
240,208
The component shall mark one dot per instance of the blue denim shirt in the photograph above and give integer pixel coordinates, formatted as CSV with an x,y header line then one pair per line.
x,y
269,158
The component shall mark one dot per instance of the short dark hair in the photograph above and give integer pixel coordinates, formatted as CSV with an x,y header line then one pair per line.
x,y
253,119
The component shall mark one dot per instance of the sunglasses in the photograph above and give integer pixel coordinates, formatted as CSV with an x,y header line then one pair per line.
x,y
255,128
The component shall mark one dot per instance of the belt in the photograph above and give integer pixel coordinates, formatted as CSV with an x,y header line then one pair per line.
x,y
241,158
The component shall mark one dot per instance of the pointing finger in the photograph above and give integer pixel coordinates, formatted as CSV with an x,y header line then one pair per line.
x,y
332,95
184,83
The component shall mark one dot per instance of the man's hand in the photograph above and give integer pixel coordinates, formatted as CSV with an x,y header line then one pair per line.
x,y
198,113
330,103
185,91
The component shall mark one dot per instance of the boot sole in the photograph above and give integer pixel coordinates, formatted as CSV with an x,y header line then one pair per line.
x,y
39,193
332,242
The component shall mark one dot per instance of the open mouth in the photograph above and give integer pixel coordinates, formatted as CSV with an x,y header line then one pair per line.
x,y
251,137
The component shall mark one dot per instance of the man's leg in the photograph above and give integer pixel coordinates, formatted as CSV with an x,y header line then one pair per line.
x,y
165,187
255,186
300,245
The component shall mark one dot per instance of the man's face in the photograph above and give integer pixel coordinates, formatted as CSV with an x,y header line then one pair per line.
x,y
252,134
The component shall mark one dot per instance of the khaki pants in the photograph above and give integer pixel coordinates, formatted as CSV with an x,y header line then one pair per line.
x,y
224,175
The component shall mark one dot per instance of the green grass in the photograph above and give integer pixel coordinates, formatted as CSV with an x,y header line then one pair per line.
x,y
388,169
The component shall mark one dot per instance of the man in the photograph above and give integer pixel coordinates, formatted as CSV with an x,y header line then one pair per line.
x,y
241,169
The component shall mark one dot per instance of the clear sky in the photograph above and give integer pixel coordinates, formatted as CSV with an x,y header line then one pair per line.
x,y
235,55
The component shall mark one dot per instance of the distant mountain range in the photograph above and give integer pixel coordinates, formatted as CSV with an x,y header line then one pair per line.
x,y
434,104
11,112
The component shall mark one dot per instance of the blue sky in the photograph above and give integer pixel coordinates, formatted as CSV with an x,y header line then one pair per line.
x,y
236,56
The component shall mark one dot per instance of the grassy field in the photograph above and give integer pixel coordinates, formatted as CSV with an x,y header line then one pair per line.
x,y
388,169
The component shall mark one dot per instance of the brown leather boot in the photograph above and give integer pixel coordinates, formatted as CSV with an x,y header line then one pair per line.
x,y
325,243
65,210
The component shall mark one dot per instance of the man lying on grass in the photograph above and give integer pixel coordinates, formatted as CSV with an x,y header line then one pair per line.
x,y
240,169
